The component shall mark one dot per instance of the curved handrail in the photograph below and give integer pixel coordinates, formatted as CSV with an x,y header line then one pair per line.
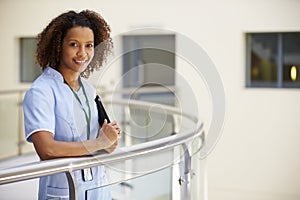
x,y
13,91
144,104
43,168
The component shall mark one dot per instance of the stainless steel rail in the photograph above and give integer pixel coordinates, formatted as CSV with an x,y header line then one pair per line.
x,y
68,165
15,91
160,107
43,168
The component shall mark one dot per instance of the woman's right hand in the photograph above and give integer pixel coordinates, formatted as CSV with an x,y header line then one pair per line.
x,y
108,135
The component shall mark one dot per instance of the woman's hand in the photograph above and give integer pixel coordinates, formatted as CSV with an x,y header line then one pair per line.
x,y
112,147
109,135
116,126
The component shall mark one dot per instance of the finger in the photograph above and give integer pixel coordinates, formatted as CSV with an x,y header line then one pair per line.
x,y
104,125
119,134
113,123
112,132
117,128
105,122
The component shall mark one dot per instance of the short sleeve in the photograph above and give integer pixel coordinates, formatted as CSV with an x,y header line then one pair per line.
x,y
38,107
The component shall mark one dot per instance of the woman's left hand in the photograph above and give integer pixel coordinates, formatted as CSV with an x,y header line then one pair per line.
x,y
116,126
114,145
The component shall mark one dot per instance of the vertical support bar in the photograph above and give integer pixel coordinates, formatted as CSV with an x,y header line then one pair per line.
x,y
199,184
203,181
186,179
176,155
127,163
176,191
203,171
20,124
73,190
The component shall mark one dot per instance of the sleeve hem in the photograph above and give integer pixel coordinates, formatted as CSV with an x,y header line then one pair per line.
x,y
28,137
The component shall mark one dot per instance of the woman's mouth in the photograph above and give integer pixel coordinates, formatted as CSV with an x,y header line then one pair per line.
x,y
80,62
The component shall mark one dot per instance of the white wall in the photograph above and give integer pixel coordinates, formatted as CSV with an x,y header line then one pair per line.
x,y
257,155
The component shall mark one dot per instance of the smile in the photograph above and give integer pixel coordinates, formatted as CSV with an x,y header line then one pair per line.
x,y
80,61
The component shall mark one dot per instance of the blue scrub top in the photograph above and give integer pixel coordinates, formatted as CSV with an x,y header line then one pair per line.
x,y
50,105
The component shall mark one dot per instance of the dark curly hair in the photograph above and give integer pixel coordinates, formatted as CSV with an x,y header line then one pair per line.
x,y
49,41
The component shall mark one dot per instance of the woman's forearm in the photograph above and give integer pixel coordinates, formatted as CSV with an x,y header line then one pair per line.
x,y
48,148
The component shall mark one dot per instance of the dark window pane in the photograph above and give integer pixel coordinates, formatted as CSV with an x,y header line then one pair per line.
x,y
291,59
263,59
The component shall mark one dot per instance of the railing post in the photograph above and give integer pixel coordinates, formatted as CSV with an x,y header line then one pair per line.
x,y
21,142
185,180
128,142
73,190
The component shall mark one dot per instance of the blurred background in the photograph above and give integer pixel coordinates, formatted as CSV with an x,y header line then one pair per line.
x,y
254,45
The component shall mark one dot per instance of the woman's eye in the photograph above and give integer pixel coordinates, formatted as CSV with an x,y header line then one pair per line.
x,y
73,44
90,45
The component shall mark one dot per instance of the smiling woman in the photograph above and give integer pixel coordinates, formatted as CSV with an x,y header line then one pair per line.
x,y
60,114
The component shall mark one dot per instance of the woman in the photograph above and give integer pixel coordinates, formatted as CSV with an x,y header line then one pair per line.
x,y
60,113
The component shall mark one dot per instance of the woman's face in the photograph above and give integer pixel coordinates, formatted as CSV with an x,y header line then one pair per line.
x,y
77,49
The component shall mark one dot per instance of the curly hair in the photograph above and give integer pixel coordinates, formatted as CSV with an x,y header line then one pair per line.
x,y
49,41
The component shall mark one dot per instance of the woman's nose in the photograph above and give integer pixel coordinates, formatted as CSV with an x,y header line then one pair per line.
x,y
81,52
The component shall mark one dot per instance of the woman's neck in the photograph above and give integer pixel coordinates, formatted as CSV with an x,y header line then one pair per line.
x,y
72,79
74,84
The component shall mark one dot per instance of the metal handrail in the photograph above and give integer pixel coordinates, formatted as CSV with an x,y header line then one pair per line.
x,y
37,169
134,90
68,165
49,167
12,91
145,104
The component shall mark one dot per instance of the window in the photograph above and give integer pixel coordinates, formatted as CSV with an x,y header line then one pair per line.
x,y
29,71
149,61
273,60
